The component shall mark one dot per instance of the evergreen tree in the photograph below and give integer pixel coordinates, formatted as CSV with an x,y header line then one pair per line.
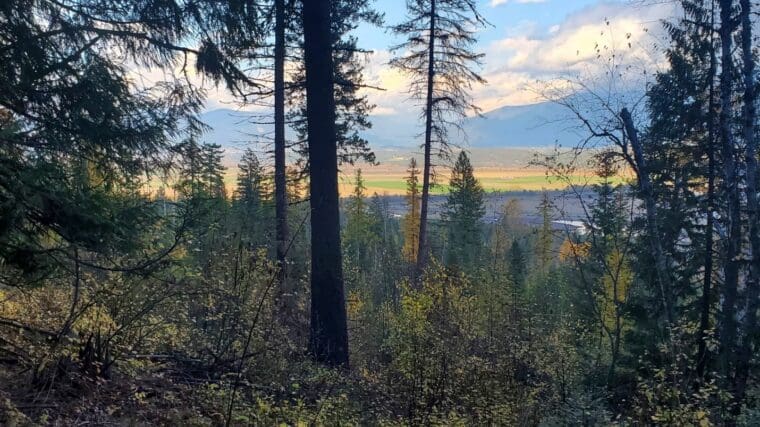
x,y
463,212
545,238
212,170
504,231
358,234
412,218
518,265
248,199
328,341
352,107
439,58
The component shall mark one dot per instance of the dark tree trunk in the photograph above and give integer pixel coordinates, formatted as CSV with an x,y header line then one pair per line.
x,y
733,217
750,139
329,338
422,252
645,187
280,176
706,303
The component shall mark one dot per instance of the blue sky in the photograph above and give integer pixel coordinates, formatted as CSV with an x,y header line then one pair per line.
x,y
506,18
528,43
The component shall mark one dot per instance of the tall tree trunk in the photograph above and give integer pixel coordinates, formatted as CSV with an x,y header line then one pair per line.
x,y
422,252
280,176
731,264
328,342
645,186
704,320
751,153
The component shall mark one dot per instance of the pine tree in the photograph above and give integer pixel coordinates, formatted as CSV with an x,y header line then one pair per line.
x,y
463,212
280,169
681,146
352,107
358,235
439,58
411,221
750,136
731,189
248,199
212,170
328,341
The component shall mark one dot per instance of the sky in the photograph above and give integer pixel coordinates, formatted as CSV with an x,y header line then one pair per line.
x,y
528,42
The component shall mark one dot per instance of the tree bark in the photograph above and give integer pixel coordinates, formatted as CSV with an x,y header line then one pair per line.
x,y
751,153
280,176
645,187
422,251
731,265
704,320
328,342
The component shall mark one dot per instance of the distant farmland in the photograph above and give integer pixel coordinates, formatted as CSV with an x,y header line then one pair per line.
x,y
493,180
498,169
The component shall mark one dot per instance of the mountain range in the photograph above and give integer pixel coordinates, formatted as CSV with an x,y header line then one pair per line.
x,y
535,126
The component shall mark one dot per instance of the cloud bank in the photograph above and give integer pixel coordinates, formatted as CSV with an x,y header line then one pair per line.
x,y
588,42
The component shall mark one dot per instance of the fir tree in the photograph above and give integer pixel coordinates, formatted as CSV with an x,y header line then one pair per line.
x,y
463,212
411,221
358,234
248,199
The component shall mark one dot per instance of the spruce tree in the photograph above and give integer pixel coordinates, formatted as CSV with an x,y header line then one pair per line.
x,y
411,221
462,213
358,234
248,199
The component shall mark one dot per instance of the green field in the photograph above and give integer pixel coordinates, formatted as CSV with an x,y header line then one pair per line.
x,y
534,182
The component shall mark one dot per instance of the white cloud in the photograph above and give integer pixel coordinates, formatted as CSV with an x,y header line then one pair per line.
x,y
393,98
589,42
527,54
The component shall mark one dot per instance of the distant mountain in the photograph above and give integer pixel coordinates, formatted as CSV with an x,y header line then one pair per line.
x,y
539,125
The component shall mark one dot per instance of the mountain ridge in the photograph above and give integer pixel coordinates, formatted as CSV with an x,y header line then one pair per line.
x,y
523,127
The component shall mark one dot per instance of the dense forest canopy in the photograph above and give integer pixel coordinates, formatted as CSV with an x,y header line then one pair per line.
x,y
139,286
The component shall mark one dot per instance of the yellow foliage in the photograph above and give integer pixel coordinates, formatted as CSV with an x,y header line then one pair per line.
x,y
354,304
570,251
411,236
616,283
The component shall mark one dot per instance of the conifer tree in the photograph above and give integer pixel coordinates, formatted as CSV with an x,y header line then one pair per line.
x,y
411,221
328,341
212,170
518,267
352,106
545,238
248,199
358,234
64,80
438,56
463,212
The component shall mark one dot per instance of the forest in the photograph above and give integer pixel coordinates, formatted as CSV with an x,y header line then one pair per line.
x,y
137,287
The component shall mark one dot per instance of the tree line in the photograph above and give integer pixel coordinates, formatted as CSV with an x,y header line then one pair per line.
x,y
120,301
